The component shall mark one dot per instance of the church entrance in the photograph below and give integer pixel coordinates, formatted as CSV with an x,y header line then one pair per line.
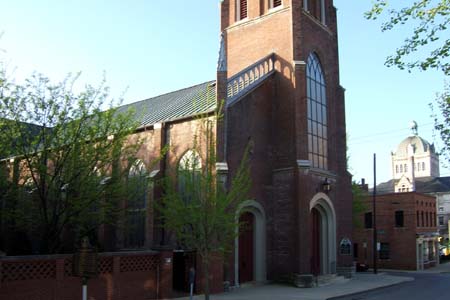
x,y
246,247
323,235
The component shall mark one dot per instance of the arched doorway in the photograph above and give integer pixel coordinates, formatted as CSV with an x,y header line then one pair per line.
x,y
323,235
250,245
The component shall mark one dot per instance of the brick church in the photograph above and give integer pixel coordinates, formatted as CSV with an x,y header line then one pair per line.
x,y
278,72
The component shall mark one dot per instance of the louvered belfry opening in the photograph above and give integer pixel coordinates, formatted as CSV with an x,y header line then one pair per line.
x,y
243,9
276,3
314,8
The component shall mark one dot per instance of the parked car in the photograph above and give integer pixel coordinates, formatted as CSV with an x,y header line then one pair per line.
x,y
360,267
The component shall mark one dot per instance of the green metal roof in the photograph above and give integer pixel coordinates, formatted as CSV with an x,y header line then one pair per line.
x,y
176,105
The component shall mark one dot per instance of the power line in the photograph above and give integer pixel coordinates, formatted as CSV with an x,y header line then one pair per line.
x,y
370,140
394,133
386,132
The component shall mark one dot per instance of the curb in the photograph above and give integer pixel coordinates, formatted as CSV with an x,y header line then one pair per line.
x,y
370,290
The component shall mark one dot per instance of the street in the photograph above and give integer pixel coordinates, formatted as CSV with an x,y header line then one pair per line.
x,y
425,286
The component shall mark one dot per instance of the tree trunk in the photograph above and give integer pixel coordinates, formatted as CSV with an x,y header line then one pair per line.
x,y
205,259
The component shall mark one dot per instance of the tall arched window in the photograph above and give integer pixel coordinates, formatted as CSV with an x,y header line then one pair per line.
x,y
189,171
136,206
317,114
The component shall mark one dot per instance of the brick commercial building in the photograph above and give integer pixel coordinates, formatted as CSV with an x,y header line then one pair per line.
x,y
406,229
278,71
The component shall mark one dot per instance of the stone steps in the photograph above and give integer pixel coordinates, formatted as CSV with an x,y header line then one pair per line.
x,y
323,280
308,280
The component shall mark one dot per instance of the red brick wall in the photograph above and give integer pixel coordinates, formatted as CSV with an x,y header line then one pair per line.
x,y
151,146
274,191
181,139
250,40
402,240
215,275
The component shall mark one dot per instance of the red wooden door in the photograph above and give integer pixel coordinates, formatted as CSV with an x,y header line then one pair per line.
x,y
315,258
246,248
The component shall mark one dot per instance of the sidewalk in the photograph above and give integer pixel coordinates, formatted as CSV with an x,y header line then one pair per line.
x,y
360,283
444,267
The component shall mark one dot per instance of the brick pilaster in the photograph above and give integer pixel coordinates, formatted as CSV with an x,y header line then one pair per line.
x,y
165,274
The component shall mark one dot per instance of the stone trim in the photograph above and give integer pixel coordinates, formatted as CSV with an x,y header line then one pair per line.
x,y
304,166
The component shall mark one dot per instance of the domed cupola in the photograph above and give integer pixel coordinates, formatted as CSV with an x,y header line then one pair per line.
x,y
420,146
415,157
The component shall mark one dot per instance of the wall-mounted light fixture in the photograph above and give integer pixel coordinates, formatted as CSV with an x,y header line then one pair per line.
x,y
326,186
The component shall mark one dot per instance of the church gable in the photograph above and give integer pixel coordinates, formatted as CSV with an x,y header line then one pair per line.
x,y
404,185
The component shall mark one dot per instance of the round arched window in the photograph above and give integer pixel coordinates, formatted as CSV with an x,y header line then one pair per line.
x,y
189,171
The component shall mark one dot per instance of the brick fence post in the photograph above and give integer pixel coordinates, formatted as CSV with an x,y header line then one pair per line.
x,y
116,278
165,274
59,286
1,270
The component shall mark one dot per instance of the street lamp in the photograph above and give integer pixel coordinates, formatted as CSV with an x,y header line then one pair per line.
x,y
326,186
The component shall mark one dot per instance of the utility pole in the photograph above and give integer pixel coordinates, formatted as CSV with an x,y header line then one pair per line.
x,y
374,213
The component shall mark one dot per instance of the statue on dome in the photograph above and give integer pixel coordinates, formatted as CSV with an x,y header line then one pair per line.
x,y
414,127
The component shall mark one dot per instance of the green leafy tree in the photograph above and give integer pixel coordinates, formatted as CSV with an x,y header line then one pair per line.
x,y
427,46
442,119
358,205
66,150
198,208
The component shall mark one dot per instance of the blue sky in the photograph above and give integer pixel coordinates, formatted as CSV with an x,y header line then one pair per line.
x,y
147,48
